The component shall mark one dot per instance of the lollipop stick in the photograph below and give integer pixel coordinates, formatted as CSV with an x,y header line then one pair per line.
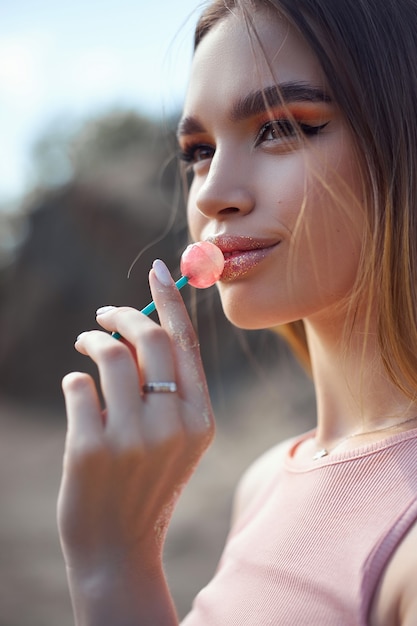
x,y
150,308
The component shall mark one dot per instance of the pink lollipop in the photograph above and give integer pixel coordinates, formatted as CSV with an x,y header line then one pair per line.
x,y
202,263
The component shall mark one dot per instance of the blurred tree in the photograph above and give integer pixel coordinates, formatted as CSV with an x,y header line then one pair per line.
x,y
74,150
51,165
114,136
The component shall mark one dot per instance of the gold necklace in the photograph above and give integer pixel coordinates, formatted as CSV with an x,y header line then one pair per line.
x,y
326,451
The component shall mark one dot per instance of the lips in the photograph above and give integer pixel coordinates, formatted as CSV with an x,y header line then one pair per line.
x,y
242,253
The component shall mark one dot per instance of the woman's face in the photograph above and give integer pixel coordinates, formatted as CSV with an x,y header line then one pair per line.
x,y
276,186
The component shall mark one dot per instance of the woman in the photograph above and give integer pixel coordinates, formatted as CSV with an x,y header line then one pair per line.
x,y
299,125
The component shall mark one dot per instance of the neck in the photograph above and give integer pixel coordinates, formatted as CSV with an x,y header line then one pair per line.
x,y
354,393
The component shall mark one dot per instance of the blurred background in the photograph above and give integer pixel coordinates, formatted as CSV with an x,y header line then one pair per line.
x,y
90,97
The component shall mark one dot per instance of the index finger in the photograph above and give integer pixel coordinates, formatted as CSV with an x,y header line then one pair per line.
x,y
175,320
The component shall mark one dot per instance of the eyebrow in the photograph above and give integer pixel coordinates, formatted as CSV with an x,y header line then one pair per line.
x,y
260,101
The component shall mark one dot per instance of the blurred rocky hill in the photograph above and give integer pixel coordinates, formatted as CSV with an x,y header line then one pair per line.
x,y
101,196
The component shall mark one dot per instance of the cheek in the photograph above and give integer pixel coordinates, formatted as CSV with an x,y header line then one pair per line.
x,y
340,199
331,226
283,191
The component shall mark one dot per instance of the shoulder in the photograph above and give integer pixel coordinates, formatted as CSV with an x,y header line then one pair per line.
x,y
396,599
256,476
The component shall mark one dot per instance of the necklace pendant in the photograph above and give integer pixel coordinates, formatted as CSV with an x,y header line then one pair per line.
x,y
320,454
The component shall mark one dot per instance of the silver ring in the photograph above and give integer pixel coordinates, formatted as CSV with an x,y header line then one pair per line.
x,y
159,388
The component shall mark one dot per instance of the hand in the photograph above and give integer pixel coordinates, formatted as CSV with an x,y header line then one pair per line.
x,y
125,467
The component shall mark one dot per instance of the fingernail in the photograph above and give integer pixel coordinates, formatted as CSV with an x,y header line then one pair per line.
x,y
104,309
162,273
80,336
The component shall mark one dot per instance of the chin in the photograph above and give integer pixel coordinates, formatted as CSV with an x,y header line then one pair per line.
x,y
245,318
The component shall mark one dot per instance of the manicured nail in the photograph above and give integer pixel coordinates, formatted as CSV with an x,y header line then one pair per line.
x,y
162,273
104,309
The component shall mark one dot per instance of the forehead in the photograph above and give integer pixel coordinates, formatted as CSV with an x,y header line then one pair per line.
x,y
233,59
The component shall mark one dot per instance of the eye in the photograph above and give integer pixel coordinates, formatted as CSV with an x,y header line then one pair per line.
x,y
287,129
195,153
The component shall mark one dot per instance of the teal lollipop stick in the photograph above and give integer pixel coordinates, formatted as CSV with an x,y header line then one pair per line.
x,y
150,308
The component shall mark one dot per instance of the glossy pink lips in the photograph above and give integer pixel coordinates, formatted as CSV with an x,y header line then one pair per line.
x,y
240,263
242,253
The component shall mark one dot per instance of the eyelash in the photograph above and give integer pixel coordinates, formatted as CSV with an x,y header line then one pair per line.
x,y
189,154
287,128
284,127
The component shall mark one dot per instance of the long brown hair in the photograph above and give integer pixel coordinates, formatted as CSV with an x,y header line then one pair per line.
x,y
368,52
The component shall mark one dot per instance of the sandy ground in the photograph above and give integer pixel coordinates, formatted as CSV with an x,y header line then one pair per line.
x,y
33,589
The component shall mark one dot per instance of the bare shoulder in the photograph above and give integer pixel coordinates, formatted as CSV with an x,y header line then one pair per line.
x,y
255,476
395,602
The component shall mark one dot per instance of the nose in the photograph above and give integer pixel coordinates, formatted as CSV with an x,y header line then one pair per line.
x,y
225,190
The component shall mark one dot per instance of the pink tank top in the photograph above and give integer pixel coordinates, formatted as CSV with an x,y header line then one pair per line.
x,y
314,543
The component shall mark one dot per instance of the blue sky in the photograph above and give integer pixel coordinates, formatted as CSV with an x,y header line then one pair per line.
x,y
72,58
